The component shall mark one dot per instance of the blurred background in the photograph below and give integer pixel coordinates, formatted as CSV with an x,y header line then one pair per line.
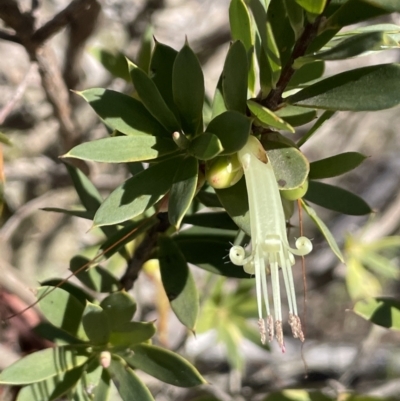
x,y
42,119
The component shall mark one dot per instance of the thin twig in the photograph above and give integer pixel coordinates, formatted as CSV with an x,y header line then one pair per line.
x,y
19,92
74,10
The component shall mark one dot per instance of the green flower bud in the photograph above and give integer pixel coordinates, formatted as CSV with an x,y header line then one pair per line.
x,y
224,171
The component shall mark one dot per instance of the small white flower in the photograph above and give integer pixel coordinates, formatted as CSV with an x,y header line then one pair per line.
x,y
270,246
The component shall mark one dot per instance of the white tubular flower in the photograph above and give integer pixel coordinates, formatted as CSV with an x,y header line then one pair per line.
x,y
270,246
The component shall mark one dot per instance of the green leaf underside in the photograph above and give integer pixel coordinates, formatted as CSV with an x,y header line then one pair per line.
x,y
81,295
146,47
62,310
210,253
51,389
123,113
138,193
239,20
123,149
290,166
115,63
337,199
132,333
119,308
324,230
163,365
102,389
218,104
235,201
232,129
381,311
129,386
374,87
295,115
206,146
355,45
42,365
152,99
307,73
182,191
335,165
234,78
94,277
267,117
188,90
95,323
178,282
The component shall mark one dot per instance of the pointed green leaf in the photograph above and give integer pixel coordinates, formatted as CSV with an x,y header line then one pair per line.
x,y
324,230
234,78
188,90
326,115
42,365
87,192
374,87
178,282
62,310
240,23
84,214
132,333
296,116
51,389
94,277
137,194
210,253
164,365
129,386
123,149
232,129
152,99
81,295
306,73
119,308
354,11
146,46
359,281
205,146
218,104
313,6
235,201
95,323
381,311
182,191
268,118
335,165
102,390
380,265
337,199
123,113
296,17
115,63
161,66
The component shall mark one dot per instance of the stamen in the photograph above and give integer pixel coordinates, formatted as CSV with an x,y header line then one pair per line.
x,y
279,335
270,327
261,328
295,324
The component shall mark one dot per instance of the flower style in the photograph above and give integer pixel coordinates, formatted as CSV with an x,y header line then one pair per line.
x,y
270,246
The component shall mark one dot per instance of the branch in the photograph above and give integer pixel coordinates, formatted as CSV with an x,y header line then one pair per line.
x,y
72,12
143,252
19,92
275,96
9,37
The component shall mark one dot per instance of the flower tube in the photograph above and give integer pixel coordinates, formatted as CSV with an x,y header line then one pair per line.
x,y
270,246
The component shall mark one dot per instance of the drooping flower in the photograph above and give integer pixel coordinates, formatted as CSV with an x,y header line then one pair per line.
x,y
269,243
